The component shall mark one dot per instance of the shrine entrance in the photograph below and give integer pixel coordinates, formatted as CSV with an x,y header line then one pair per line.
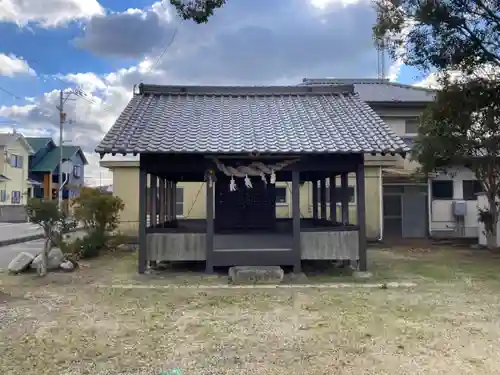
x,y
246,209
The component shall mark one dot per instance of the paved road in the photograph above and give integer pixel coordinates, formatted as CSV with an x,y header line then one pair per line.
x,y
7,253
10,231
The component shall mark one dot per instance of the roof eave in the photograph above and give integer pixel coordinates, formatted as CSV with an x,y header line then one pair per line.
x,y
400,103
102,152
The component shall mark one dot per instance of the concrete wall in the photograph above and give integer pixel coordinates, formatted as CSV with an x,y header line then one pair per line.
x,y
126,186
441,215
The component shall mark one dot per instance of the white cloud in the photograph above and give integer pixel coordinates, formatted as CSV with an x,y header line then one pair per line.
x,y
48,13
10,65
432,79
243,44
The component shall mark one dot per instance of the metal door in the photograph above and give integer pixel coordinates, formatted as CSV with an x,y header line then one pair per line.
x,y
414,212
392,215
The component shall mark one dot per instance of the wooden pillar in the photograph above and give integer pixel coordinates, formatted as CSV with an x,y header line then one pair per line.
x,y
210,228
333,198
161,193
174,198
297,266
361,214
143,185
315,198
322,197
344,188
153,182
171,197
168,214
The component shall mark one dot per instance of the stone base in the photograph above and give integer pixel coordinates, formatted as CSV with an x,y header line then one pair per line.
x,y
256,275
362,275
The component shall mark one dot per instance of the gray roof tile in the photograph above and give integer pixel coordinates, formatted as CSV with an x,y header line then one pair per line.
x,y
378,90
249,119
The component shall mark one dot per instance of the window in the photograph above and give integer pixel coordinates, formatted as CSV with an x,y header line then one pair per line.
x,y
470,189
179,201
411,126
77,171
15,197
16,161
442,189
3,195
338,193
280,195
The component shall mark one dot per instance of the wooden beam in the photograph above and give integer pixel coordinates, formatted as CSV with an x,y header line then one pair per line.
x,y
361,214
315,198
172,198
322,197
161,193
333,198
297,266
143,182
344,188
210,228
153,183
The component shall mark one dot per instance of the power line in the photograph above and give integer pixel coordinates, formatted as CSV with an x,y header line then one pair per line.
x,y
171,41
11,94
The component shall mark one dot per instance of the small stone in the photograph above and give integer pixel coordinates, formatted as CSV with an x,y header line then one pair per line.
x,y
20,262
256,275
362,274
67,266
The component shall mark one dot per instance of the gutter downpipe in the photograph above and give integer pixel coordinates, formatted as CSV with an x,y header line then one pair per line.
x,y
381,206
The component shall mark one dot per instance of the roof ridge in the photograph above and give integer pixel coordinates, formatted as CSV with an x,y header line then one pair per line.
x,y
365,81
146,89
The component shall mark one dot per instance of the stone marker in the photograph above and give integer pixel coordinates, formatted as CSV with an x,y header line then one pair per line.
x,y
20,262
256,275
362,274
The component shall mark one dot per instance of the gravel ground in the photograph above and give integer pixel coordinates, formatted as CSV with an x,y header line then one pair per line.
x,y
447,324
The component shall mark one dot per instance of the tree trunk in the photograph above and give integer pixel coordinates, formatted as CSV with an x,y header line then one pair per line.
x,y
42,267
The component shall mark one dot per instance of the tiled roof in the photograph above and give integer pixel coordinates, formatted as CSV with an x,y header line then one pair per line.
x,y
38,143
275,119
378,90
409,141
50,161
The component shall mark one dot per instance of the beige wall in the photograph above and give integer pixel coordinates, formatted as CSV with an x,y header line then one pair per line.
x,y
126,186
18,176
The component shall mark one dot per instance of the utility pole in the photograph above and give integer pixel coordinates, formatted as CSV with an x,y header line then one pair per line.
x,y
62,119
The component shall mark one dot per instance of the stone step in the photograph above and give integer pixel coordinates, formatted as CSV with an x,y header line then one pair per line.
x,y
256,274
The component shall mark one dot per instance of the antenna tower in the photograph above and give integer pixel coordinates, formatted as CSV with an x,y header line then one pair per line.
x,y
380,43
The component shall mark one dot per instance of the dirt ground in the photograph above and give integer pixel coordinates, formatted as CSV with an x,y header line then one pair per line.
x,y
447,324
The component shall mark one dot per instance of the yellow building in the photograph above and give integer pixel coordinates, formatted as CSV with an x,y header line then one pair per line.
x,y
15,187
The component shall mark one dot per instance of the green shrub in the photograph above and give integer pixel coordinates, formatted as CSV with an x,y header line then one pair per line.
x,y
99,213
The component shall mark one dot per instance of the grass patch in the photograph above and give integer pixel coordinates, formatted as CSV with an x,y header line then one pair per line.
x,y
62,324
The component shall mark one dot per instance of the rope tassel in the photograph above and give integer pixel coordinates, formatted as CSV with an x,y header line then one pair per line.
x,y
273,177
248,183
232,184
263,176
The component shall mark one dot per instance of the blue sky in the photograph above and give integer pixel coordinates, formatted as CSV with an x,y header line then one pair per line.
x,y
107,46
